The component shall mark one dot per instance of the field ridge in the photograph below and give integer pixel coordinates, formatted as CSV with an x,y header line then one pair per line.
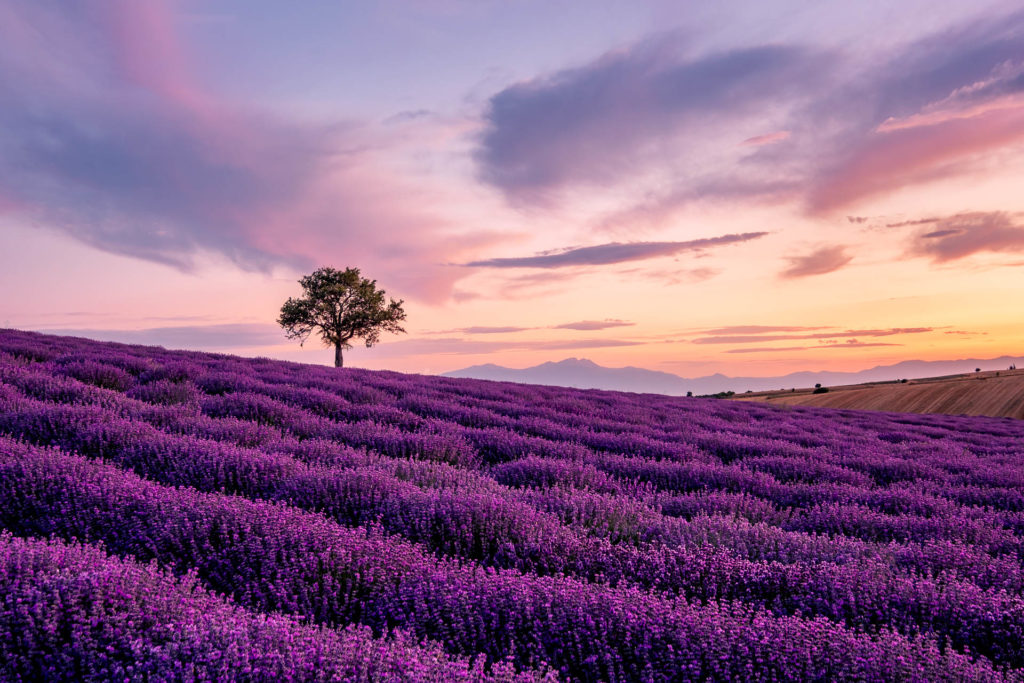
x,y
995,393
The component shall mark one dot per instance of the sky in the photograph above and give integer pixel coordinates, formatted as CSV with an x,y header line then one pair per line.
x,y
713,186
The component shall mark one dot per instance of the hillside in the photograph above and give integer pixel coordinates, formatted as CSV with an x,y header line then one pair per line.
x,y
995,394
168,515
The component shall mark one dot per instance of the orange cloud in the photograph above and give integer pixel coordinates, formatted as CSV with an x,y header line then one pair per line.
x,y
823,337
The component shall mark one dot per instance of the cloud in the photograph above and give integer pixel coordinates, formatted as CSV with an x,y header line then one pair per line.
x,y
929,111
941,233
760,329
770,349
920,221
891,159
965,234
480,329
847,334
766,139
818,262
113,140
659,124
593,125
614,252
590,325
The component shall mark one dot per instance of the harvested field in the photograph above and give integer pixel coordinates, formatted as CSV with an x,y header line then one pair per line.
x,y
995,394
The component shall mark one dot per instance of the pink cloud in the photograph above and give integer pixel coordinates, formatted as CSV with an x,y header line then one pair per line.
x,y
944,113
960,236
766,139
172,169
916,150
818,262
146,50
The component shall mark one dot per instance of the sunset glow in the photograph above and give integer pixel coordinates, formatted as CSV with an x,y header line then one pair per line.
x,y
739,187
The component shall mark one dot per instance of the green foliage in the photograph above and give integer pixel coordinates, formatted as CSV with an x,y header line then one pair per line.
x,y
820,390
340,306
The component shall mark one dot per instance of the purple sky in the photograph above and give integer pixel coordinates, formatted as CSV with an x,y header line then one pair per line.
x,y
535,179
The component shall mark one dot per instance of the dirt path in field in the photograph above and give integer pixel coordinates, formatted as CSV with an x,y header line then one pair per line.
x,y
995,393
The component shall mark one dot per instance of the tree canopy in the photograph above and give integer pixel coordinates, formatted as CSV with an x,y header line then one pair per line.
x,y
340,306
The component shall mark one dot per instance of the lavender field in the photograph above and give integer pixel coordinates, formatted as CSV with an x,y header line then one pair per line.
x,y
188,516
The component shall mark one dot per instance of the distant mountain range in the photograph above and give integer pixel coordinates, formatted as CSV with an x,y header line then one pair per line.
x,y
586,374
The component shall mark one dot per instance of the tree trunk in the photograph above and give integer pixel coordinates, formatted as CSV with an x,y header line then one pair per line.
x,y
337,356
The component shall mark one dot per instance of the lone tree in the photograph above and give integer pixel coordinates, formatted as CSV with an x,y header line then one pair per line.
x,y
340,305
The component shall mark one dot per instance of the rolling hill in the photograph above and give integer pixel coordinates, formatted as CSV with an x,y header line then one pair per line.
x,y
169,515
994,393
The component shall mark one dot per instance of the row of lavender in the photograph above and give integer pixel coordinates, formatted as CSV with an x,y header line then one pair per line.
x,y
71,612
606,535
273,558
497,526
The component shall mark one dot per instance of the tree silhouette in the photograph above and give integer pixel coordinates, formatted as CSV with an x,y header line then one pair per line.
x,y
340,306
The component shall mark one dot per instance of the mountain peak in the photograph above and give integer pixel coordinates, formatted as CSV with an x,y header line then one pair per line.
x,y
575,362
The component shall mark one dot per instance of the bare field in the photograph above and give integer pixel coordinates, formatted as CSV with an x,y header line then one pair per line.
x,y
995,393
